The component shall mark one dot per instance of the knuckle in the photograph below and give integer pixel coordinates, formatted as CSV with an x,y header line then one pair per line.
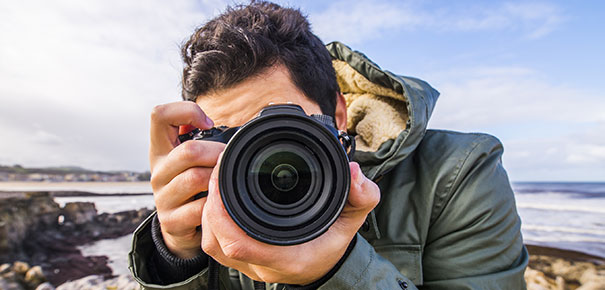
x,y
234,251
209,247
195,175
169,223
159,202
155,182
157,112
188,151
164,219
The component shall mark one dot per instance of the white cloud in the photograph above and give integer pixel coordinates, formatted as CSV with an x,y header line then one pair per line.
x,y
355,22
550,131
79,78
484,97
360,21
566,157
46,138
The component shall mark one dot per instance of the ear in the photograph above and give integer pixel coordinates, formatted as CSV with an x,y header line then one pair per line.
x,y
340,114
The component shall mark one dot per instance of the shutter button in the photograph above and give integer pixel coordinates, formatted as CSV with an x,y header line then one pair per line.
x,y
403,284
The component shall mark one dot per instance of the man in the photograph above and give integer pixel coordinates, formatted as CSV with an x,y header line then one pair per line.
x,y
427,209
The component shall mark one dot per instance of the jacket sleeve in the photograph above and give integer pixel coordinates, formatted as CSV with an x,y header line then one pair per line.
x,y
474,240
141,257
366,269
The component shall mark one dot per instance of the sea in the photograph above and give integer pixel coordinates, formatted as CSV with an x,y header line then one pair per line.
x,y
566,215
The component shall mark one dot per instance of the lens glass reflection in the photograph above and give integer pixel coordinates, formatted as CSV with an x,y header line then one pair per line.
x,y
284,177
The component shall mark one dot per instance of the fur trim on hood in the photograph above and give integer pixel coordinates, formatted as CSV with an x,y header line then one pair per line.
x,y
375,114
387,113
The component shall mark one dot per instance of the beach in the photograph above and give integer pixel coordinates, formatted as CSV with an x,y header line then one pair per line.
x,y
562,227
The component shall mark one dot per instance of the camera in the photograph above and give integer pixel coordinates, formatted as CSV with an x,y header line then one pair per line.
x,y
284,176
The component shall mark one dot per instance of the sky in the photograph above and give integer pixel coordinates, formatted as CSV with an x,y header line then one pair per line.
x,y
78,79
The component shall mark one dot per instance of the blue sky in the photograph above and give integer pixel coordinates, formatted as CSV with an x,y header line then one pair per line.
x,y
79,78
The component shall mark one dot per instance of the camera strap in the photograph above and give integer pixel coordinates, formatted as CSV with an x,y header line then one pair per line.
x,y
347,141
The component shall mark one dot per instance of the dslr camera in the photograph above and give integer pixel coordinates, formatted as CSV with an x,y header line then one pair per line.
x,y
284,176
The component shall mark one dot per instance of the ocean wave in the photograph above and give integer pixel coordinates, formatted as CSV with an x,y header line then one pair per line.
x,y
561,207
584,193
559,238
544,228
585,189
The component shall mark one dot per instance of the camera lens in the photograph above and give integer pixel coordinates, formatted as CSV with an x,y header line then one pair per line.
x,y
284,173
284,177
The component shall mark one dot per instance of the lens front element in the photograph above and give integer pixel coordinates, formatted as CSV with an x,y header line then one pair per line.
x,y
283,173
284,177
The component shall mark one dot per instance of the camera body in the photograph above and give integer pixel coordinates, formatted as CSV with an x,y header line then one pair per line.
x,y
284,176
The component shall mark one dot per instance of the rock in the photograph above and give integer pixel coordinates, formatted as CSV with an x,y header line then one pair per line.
x,y
95,282
5,268
11,281
560,283
592,285
89,282
5,285
30,232
568,273
536,280
76,266
22,214
124,282
45,286
79,212
34,277
591,279
20,268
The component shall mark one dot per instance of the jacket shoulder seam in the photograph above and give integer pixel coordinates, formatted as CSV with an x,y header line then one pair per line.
x,y
455,176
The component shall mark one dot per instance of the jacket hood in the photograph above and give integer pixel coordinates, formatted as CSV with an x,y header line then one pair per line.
x,y
387,113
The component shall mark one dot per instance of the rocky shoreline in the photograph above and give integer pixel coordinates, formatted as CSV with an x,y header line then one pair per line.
x,y
39,248
35,230
557,269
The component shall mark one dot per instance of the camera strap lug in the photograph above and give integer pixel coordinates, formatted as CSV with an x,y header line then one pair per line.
x,y
348,142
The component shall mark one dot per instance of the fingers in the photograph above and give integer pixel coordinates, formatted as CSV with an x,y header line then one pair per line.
x,y
228,244
364,194
231,240
179,228
182,188
165,122
183,219
187,155
211,247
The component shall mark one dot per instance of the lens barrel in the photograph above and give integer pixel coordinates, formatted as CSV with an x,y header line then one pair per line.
x,y
284,176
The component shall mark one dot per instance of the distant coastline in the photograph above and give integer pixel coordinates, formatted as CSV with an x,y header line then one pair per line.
x,y
69,174
79,188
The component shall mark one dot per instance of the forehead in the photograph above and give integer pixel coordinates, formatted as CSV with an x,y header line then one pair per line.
x,y
236,105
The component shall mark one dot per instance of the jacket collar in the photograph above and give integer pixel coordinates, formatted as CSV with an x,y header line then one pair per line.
x,y
412,95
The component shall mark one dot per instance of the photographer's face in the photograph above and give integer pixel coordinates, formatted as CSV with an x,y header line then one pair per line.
x,y
236,105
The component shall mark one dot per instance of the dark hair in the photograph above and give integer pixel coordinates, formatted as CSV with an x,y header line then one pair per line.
x,y
247,39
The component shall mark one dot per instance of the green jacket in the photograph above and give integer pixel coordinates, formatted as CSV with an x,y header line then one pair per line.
x,y
447,217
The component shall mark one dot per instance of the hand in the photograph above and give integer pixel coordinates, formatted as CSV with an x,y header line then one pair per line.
x,y
298,264
178,172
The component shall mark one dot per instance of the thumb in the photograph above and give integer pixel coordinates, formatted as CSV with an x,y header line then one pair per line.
x,y
213,182
364,194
